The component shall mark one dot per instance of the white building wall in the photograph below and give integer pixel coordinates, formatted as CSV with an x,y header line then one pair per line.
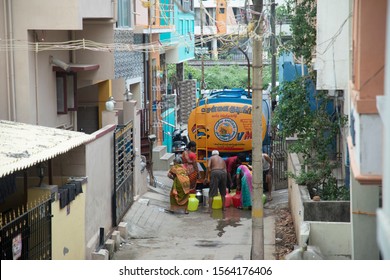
x,y
231,3
4,82
207,30
102,33
98,204
28,81
98,8
332,54
43,14
206,4
364,203
369,143
383,104
43,86
337,244
131,113
141,14
282,29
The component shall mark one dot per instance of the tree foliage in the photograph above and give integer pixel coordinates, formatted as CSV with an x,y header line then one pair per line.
x,y
218,77
302,16
306,117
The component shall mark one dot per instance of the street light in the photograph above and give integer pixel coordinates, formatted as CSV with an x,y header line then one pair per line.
x,y
128,95
110,104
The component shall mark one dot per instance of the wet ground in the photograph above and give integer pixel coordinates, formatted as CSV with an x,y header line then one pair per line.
x,y
202,235
197,235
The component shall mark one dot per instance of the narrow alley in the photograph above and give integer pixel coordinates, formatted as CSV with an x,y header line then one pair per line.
x,y
219,235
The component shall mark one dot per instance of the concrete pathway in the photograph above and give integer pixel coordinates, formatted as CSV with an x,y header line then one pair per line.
x,y
157,234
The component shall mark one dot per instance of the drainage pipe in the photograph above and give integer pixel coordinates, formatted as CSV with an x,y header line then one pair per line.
x,y
11,73
9,60
36,86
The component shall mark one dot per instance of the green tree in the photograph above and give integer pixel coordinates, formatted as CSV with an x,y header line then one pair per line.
x,y
218,77
306,117
302,15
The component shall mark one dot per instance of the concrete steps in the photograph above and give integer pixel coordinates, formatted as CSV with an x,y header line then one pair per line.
x,y
161,159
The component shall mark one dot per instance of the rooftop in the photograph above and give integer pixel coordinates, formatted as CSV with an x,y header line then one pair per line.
x,y
23,145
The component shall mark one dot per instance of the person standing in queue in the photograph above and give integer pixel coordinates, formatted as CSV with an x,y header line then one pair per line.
x,y
231,167
180,190
218,177
244,184
190,163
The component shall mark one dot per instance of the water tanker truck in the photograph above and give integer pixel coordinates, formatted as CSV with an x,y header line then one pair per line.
x,y
222,121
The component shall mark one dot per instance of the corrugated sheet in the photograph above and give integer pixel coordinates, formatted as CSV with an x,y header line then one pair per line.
x,y
23,145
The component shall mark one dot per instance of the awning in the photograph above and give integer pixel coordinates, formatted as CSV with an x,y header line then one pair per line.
x,y
23,145
77,67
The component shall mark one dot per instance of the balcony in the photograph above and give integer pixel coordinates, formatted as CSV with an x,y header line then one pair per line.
x,y
160,21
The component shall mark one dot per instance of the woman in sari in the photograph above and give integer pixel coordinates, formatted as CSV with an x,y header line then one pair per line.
x,y
244,183
190,163
180,191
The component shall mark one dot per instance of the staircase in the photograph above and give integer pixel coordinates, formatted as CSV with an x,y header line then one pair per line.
x,y
161,159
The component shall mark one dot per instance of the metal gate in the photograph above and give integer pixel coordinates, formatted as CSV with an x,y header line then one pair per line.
x,y
26,235
279,159
123,171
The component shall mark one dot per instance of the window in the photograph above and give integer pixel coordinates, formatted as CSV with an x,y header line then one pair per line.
x,y
187,5
197,16
181,27
66,92
124,14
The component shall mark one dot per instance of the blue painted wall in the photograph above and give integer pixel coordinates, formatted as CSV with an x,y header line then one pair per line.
x,y
168,118
288,70
183,36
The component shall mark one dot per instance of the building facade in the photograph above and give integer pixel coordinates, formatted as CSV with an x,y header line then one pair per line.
x,y
350,64
59,64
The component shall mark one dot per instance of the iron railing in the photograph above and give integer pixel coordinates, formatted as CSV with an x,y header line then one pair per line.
x,y
279,159
26,234
123,171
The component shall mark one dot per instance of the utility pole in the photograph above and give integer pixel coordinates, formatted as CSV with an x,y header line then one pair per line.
x,y
150,73
150,93
273,44
201,46
257,250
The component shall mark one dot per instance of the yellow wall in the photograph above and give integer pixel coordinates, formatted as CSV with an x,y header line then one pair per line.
x,y
105,91
68,229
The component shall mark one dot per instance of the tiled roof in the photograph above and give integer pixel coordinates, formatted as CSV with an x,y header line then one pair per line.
x,y
23,145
